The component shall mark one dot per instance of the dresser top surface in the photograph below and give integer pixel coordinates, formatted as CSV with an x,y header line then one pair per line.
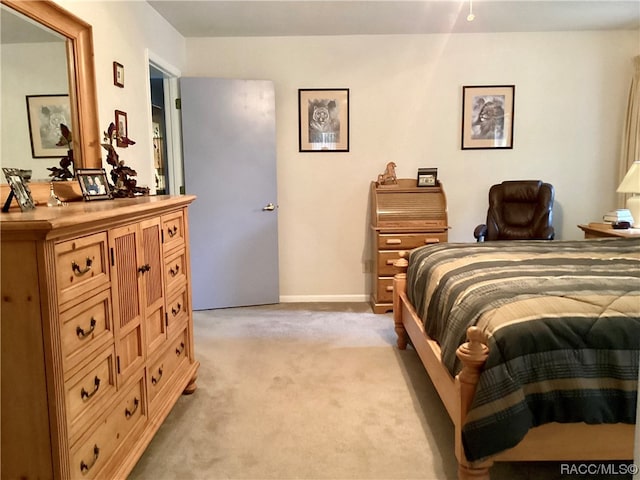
x,y
45,219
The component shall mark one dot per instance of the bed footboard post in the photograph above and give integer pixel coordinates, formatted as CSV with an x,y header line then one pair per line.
x,y
473,355
399,286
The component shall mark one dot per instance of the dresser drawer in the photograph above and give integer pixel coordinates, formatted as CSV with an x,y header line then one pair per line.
x,y
399,241
177,308
175,271
96,449
173,230
88,390
160,373
86,328
81,265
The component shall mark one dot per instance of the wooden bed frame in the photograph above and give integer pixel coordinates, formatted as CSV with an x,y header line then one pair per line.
x,y
549,442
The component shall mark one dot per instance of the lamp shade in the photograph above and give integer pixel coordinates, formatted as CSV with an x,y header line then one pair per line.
x,y
631,181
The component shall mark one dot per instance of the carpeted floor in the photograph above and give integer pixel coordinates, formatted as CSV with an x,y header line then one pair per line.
x,y
308,391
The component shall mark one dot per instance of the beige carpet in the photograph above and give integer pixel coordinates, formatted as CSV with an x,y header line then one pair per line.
x,y
308,391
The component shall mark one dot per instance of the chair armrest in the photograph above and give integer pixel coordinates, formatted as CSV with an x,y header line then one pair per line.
x,y
480,232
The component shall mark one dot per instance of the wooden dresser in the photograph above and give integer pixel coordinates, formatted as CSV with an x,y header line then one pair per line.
x,y
97,334
403,217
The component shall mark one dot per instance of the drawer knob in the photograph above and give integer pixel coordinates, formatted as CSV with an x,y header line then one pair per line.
x,y
389,288
84,468
173,272
84,395
81,271
154,380
129,413
82,334
180,350
175,311
431,240
172,231
394,241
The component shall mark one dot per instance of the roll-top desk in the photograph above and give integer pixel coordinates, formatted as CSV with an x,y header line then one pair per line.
x,y
97,334
404,217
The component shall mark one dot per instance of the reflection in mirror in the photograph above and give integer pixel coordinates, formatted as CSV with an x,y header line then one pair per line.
x,y
80,73
35,94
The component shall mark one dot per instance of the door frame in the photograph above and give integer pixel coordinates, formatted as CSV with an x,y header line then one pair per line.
x,y
173,127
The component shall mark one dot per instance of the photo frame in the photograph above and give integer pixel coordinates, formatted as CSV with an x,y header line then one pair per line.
x,y
118,74
323,120
94,184
427,177
17,179
487,117
121,129
45,114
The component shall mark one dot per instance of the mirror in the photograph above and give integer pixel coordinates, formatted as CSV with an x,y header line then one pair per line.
x,y
71,72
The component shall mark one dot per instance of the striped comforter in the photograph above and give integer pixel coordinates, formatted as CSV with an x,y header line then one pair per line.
x,y
563,323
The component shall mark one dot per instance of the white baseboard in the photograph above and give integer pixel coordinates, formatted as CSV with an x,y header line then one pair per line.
x,y
323,298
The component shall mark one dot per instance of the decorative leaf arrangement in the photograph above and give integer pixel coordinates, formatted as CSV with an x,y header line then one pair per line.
x,y
63,172
123,184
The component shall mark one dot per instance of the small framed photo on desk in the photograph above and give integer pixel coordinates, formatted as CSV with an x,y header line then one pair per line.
x,y
427,177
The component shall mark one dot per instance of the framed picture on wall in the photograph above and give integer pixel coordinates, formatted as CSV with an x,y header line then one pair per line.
x,y
118,74
45,114
487,116
323,120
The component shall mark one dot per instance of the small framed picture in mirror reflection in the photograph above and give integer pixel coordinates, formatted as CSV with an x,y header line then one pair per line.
x,y
121,129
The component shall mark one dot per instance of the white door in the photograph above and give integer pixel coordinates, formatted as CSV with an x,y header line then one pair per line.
x,y
228,132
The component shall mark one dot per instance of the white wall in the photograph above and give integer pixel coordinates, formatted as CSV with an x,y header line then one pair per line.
x,y
571,90
405,106
123,31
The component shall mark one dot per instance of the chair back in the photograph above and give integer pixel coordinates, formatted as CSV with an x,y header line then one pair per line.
x,y
520,210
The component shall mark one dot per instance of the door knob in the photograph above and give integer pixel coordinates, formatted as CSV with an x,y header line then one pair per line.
x,y
269,207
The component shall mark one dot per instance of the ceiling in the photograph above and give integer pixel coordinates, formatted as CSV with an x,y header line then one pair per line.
x,y
220,18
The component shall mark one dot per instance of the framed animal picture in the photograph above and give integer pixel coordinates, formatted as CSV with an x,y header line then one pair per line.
x,y
323,120
487,116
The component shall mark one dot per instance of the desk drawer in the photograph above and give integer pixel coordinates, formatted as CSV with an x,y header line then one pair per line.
x,y
400,241
386,260
384,292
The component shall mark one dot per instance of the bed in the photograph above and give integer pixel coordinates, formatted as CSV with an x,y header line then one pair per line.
x,y
533,346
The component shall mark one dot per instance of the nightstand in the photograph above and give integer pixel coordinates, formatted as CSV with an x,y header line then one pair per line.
x,y
600,230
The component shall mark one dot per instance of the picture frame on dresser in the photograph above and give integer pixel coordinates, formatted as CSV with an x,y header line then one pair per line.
x,y
487,116
323,120
17,179
94,184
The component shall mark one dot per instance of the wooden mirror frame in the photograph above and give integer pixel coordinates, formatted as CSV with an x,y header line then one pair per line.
x,y
82,78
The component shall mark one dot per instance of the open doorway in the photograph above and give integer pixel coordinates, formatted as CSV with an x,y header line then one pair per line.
x,y
165,127
158,127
